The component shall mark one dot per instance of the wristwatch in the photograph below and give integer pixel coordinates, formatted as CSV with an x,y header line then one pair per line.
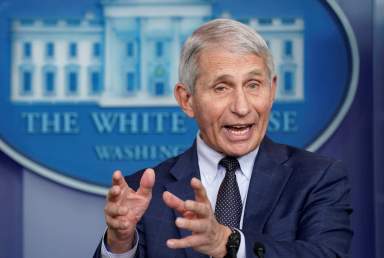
x,y
233,244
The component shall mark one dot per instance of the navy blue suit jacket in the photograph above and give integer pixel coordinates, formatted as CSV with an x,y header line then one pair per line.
x,y
298,205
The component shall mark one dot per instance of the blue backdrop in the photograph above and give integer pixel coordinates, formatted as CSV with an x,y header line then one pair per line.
x,y
39,218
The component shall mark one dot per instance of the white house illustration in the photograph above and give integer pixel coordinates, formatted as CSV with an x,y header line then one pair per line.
x,y
130,55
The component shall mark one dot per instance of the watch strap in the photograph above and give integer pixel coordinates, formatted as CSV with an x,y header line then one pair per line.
x,y
233,243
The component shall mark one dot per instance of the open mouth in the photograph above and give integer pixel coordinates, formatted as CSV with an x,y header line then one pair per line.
x,y
239,130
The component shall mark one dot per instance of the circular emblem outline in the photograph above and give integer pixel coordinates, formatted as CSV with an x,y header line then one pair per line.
x,y
317,143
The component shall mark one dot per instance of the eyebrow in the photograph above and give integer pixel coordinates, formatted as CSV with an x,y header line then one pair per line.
x,y
226,77
256,72
223,77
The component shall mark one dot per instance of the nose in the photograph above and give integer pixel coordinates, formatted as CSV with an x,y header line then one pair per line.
x,y
240,104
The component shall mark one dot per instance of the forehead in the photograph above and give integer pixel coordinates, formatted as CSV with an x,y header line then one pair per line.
x,y
220,61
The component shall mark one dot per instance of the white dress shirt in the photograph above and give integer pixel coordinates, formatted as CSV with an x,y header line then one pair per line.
x,y
212,174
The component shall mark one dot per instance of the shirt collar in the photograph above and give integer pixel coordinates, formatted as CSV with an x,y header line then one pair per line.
x,y
209,159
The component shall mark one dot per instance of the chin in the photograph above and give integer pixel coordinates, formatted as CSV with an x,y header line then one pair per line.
x,y
238,151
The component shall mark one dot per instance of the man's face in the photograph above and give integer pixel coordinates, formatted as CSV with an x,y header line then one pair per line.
x,y
231,102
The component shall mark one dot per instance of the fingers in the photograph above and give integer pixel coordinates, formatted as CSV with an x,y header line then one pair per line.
x,y
118,179
116,216
198,188
146,182
189,241
174,202
207,237
121,198
114,210
124,206
189,209
116,223
113,193
119,185
193,225
201,209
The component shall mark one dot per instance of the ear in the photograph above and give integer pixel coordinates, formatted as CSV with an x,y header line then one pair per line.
x,y
184,98
273,89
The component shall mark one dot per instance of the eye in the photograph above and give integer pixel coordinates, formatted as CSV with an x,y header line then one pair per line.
x,y
219,88
253,85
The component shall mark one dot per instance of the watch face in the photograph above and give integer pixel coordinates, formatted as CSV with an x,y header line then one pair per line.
x,y
235,238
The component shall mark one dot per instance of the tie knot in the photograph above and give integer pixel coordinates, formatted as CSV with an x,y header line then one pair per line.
x,y
231,164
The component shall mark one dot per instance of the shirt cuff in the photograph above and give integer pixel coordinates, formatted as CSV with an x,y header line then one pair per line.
x,y
105,253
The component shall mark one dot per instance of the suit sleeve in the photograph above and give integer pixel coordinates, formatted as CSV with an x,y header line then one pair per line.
x,y
323,229
102,251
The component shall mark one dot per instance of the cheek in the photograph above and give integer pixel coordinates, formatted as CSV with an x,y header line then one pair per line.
x,y
263,107
208,118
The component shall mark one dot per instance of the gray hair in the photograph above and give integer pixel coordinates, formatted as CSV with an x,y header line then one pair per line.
x,y
233,35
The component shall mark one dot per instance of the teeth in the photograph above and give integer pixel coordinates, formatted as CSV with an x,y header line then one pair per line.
x,y
238,130
237,126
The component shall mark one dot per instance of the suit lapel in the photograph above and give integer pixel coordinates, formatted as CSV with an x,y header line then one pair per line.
x,y
268,179
183,171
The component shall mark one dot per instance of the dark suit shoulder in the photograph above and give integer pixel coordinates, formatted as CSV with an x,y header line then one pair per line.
x,y
313,171
303,163
300,158
291,155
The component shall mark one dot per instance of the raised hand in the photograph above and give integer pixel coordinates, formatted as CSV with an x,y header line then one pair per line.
x,y
124,208
208,236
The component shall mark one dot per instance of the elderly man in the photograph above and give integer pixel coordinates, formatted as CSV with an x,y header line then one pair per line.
x,y
234,187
